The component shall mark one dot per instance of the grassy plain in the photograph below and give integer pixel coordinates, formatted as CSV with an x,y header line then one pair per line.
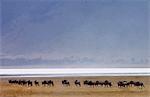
x,y
7,90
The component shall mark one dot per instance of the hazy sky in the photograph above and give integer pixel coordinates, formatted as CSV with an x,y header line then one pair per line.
x,y
75,33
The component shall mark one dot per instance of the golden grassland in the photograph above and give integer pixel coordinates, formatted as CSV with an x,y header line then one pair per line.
x,y
7,90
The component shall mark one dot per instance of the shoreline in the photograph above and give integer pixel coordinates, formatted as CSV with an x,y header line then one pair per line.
x,y
74,75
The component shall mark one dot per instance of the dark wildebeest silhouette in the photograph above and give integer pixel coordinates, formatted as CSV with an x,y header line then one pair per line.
x,y
123,84
13,82
36,83
139,84
65,83
131,83
96,83
85,82
10,82
91,83
22,82
44,83
99,83
29,83
77,83
109,84
48,83
106,83
19,82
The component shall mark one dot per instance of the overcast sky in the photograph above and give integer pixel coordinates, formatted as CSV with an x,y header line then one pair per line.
x,y
74,33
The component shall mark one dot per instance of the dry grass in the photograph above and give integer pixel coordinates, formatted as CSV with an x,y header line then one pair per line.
x,y
7,90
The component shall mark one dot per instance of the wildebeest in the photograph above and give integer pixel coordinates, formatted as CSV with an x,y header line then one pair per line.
x,y
48,83
19,82
13,81
139,84
36,83
131,83
120,84
65,83
29,83
86,82
123,84
97,83
89,83
44,83
77,83
107,83
23,82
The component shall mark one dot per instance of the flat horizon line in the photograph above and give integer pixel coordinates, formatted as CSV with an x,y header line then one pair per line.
x,y
74,75
77,71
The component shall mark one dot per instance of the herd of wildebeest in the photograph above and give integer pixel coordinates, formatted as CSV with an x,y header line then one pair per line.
x,y
77,83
